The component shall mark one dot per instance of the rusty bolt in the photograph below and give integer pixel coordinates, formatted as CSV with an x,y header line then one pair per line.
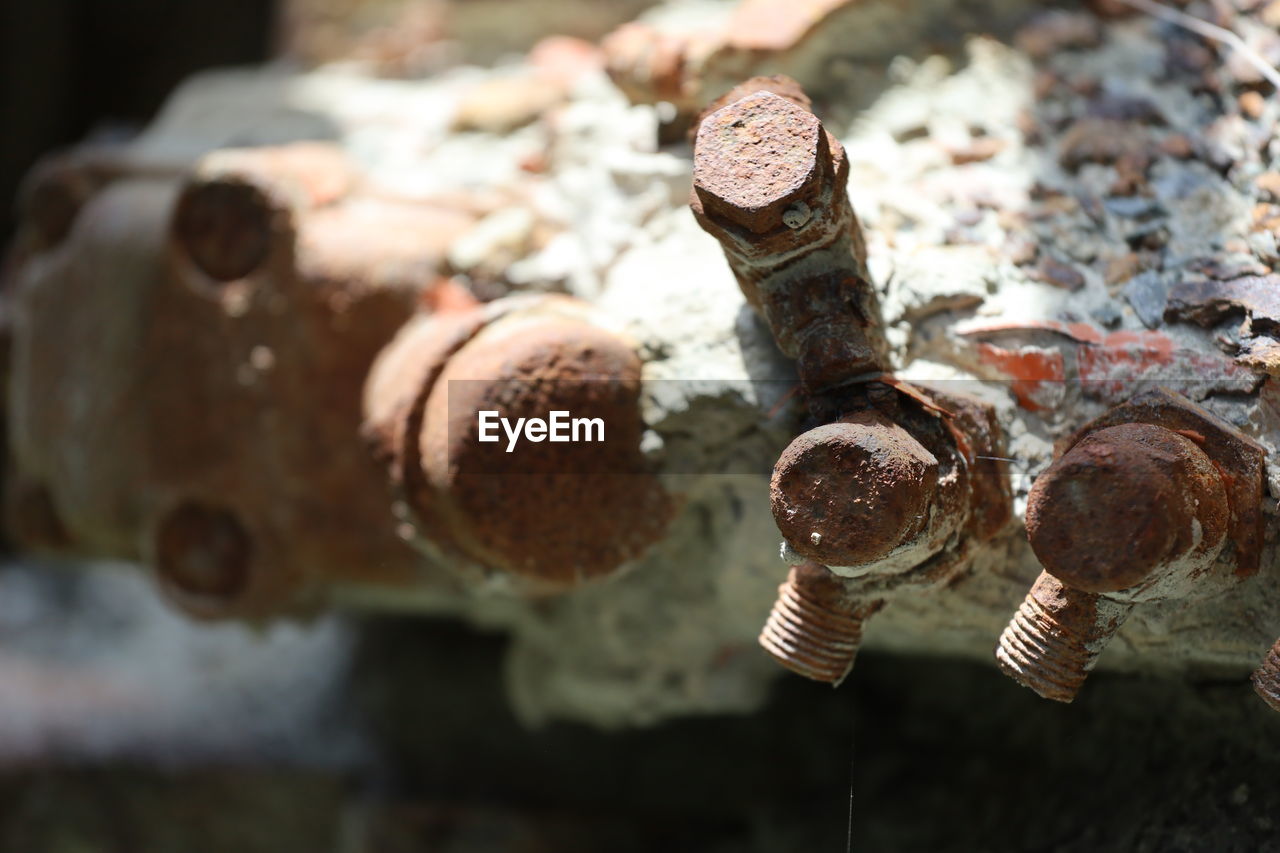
x,y
1124,503
1266,678
769,183
545,515
1131,513
815,627
877,507
852,492
203,557
231,208
882,490
225,225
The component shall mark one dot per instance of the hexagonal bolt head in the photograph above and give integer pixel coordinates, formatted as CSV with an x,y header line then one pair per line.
x,y
777,84
815,627
761,161
1131,513
851,492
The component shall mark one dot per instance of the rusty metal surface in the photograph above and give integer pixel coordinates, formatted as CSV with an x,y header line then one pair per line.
x,y
1256,297
975,432
1209,302
545,516
1056,636
815,627
851,492
1156,499
270,341
224,224
777,84
271,262
557,514
769,184
882,489
1123,503
1238,458
203,555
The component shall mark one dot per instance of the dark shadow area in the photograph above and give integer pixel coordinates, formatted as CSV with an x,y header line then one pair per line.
x,y
946,756
75,67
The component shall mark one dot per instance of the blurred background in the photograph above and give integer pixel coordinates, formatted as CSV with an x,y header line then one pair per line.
x,y
127,728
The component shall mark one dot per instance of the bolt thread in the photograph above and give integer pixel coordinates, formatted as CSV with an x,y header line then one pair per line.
x,y
813,637
1266,678
1047,653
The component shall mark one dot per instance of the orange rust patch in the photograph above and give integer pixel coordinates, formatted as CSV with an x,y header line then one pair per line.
x,y
1029,368
1197,437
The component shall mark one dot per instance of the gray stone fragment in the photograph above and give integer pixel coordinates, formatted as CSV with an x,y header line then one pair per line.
x,y
1147,293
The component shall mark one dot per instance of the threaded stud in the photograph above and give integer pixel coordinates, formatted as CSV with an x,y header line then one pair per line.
x,y
815,628
1266,678
1053,641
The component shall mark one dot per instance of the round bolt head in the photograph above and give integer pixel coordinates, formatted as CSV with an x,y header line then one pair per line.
x,y
203,553
758,157
1123,503
849,493
550,512
225,225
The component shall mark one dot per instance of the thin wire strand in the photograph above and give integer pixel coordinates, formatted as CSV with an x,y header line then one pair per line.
x,y
853,766
1209,31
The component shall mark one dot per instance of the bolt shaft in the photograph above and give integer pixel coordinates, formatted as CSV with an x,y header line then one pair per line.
x,y
815,627
1055,638
770,186
1266,678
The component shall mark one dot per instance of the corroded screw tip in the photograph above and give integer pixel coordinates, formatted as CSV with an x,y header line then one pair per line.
x,y
1266,678
850,492
203,553
758,158
1123,503
815,628
1055,638
225,224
